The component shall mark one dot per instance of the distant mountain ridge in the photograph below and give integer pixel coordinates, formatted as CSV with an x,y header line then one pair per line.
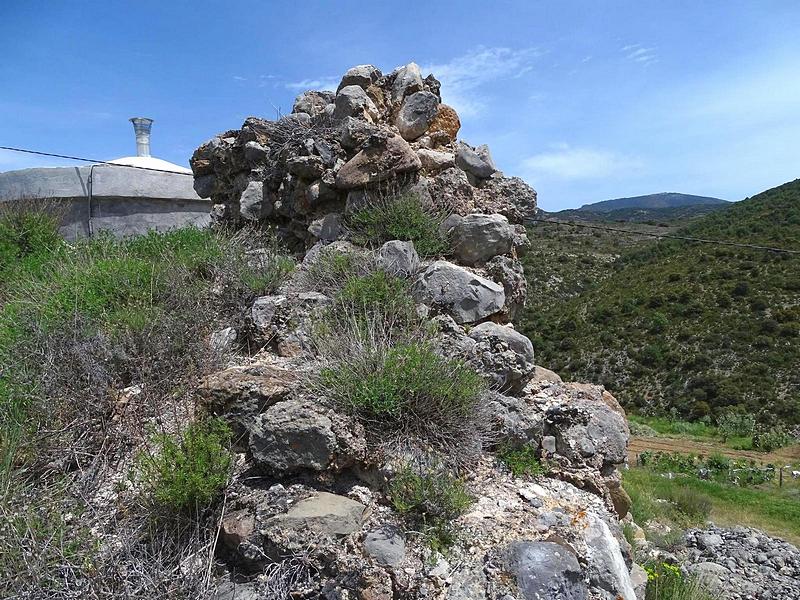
x,y
661,200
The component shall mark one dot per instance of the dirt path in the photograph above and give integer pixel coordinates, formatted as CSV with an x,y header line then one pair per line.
x,y
788,455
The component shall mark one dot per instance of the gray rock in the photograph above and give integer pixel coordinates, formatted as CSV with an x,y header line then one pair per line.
x,y
549,444
508,196
477,238
306,167
707,541
313,102
325,514
467,583
416,114
352,101
252,204
265,308
639,581
354,132
255,153
398,258
222,341
292,436
477,162
509,273
588,433
463,295
607,568
407,80
711,575
386,545
204,185
328,228
518,424
236,591
546,570
433,160
451,189
504,355
360,75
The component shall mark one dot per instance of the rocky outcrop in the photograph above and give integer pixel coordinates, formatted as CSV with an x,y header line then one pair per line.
x,y
312,485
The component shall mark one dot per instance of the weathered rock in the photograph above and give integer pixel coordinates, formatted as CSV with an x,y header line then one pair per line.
x,y
205,185
252,203
360,75
588,433
445,125
706,541
434,161
416,114
306,167
292,436
328,228
508,196
222,341
639,581
451,190
353,101
255,153
312,102
354,132
398,258
607,568
477,162
378,163
463,295
518,424
504,355
236,528
236,591
545,570
407,80
386,545
476,238
324,514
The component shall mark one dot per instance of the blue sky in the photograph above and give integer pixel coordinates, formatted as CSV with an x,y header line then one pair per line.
x,y
585,100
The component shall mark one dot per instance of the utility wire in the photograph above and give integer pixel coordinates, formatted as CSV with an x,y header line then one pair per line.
x,y
551,221
91,160
666,236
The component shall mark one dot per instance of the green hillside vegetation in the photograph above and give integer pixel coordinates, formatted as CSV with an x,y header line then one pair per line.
x,y
676,326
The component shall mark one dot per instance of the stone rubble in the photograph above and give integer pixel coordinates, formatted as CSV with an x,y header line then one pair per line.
x,y
307,487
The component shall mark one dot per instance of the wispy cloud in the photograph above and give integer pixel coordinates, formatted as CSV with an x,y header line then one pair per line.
x,y
464,77
320,83
239,78
640,54
576,163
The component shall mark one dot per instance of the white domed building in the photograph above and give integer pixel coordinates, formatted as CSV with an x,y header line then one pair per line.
x,y
126,196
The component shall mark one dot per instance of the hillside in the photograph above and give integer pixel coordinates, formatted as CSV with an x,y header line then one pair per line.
x,y
676,325
663,216
661,200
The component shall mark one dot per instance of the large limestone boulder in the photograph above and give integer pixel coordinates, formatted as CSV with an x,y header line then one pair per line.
x,y
398,258
407,80
509,273
385,158
545,570
445,125
416,114
434,161
360,75
477,238
508,196
504,355
460,293
588,433
475,161
353,101
312,102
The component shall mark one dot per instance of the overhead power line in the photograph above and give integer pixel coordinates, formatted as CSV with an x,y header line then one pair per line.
x,y
666,236
92,160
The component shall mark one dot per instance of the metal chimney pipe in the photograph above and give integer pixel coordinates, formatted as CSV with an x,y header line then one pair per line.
x,y
141,127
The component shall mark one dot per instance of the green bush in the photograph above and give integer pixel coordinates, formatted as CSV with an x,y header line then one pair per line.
x,y
377,294
409,381
522,461
666,582
432,499
403,217
188,473
767,439
735,424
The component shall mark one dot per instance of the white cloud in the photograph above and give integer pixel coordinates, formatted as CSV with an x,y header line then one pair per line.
x,y
574,163
639,54
463,77
320,83
239,78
